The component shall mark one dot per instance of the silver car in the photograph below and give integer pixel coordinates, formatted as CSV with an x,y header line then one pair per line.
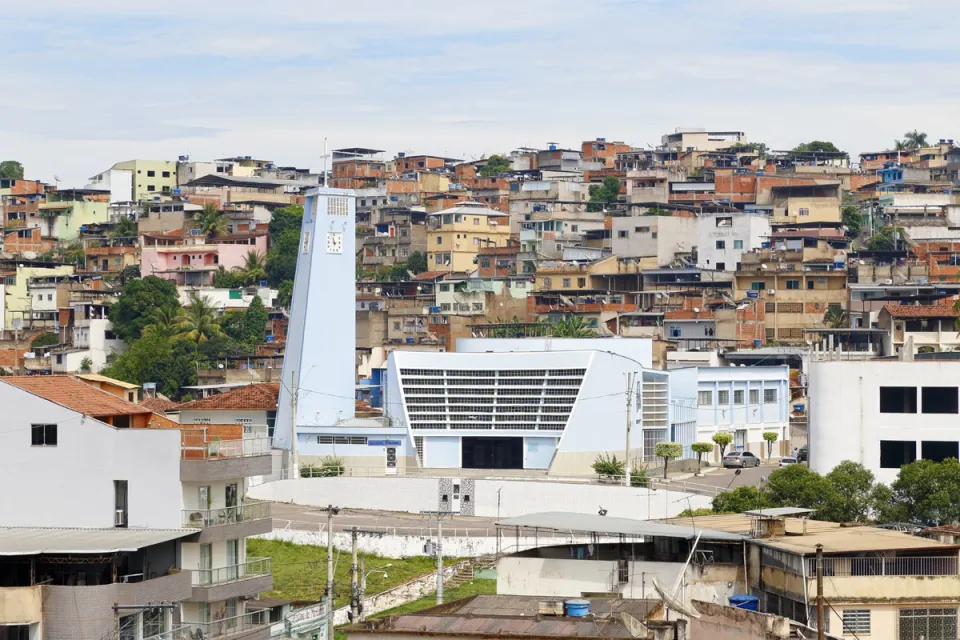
x,y
740,460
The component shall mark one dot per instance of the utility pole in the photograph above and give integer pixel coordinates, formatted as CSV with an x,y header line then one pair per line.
x,y
331,511
294,452
820,634
354,586
630,378
440,515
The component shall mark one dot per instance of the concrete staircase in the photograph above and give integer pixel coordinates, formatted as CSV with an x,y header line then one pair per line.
x,y
465,573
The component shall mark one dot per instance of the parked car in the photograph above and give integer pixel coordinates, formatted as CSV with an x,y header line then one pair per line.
x,y
740,459
803,454
786,462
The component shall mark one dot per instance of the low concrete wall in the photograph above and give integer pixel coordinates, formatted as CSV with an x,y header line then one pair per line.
x,y
404,546
492,498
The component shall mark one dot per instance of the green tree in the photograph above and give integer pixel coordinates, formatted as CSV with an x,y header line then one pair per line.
x,y
231,323
253,269
494,166
608,465
417,262
797,486
223,279
915,139
286,219
760,147
153,358
219,347
668,451
164,321
124,228
722,439
254,323
285,294
883,240
901,145
210,221
818,146
86,365
397,272
282,256
835,317
572,327
770,437
853,491
198,322
852,221
657,211
134,307
604,194
11,169
701,448
926,492
47,339
741,499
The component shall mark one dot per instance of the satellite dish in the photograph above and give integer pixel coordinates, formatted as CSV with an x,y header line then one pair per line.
x,y
636,628
763,266
673,603
696,309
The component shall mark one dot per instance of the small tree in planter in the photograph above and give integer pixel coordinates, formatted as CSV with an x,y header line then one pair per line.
x,y
770,437
700,448
609,466
722,439
668,451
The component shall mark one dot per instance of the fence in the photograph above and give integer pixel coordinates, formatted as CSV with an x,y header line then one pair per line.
x,y
197,444
225,515
880,566
252,567
224,626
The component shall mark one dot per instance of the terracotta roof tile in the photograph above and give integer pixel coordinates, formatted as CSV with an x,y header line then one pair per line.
x,y
75,394
921,311
261,396
158,405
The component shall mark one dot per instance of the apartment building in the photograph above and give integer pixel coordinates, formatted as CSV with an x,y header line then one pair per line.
x,y
548,235
695,139
799,279
725,237
195,262
356,168
168,502
455,235
17,304
542,194
927,327
814,204
253,406
655,240
397,232
88,340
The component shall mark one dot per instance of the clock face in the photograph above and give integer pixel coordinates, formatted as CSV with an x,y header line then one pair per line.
x,y
334,242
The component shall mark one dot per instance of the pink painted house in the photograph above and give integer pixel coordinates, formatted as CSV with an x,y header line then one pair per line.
x,y
195,264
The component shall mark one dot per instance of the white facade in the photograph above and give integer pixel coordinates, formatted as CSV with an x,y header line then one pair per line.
x,y
320,356
70,484
883,414
119,182
725,237
655,237
223,299
745,402
254,421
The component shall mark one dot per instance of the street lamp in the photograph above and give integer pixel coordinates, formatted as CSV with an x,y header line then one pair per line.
x,y
363,586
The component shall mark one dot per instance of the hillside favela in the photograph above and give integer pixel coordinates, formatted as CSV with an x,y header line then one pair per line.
x,y
437,361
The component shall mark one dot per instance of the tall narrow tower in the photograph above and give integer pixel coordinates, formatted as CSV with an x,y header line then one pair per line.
x,y
319,365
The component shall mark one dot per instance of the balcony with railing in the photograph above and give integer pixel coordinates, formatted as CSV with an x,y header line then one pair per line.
x,y
207,457
241,521
887,578
250,626
238,580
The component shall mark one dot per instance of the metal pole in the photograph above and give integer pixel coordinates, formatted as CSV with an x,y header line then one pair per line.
x,y
439,559
354,587
331,510
630,377
820,634
363,584
294,452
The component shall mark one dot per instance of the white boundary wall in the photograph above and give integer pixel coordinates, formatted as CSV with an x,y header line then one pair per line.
x,y
492,498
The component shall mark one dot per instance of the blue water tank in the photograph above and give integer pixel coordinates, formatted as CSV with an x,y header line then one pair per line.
x,y
577,608
744,601
553,147
757,343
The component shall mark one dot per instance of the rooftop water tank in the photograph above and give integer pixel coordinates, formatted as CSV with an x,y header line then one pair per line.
x,y
577,608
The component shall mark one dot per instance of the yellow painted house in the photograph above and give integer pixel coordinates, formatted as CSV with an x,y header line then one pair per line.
x,y
16,297
62,220
150,177
455,235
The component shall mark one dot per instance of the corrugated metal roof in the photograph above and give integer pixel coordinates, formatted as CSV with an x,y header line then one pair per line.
x,y
26,541
587,523
779,512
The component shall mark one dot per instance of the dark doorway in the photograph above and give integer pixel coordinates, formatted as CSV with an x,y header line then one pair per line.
x,y
492,453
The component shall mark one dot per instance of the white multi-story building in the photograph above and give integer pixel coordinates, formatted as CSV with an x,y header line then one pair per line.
x,y
745,402
154,520
883,414
657,238
725,237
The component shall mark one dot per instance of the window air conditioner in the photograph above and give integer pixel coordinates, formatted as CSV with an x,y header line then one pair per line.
x,y
770,292
120,519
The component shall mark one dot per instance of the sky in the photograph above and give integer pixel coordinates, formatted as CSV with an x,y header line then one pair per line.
x,y
88,83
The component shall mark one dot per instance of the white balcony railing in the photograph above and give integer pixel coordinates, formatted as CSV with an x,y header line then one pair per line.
x,y
878,566
226,515
225,626
249,569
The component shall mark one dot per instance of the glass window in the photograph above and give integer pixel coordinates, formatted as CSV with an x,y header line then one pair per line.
x,y
704,398
723,397
738,396
754,396
738,244
623,234
793,284
43,435
898,399
721,244
769,395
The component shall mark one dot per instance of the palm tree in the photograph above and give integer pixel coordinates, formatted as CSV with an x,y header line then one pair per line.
x,y
124,228
915,139
198,322
901,145
835,317
572,327
164,321
210,221
253,269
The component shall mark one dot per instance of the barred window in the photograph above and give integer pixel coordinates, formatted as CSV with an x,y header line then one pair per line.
x,y
769,395
705,398
723,397
856,621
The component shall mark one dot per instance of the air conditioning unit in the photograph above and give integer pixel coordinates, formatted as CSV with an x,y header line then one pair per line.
x,y
770,292
120,518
